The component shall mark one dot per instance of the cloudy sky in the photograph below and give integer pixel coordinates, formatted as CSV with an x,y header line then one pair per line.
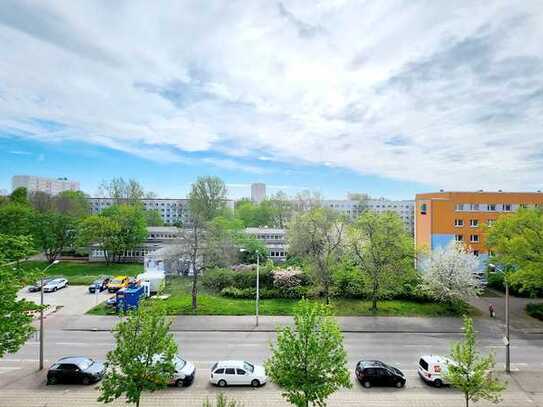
x,y
387,97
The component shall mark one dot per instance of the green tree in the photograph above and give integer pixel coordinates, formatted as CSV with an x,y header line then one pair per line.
x,y
53,232
153,218
471,373
41,201
143,358
282,209
383,251
19,196
16,219
517,243
309,362
103,232
207,200
72,203
15,320
128,192
317,236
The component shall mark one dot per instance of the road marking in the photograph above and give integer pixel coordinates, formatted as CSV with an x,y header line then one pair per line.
x,y
85,343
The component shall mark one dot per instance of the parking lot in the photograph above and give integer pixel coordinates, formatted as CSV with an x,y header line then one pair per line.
x,y
72,300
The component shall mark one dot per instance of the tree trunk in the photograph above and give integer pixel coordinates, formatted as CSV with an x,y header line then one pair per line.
x,y
467,400
194,288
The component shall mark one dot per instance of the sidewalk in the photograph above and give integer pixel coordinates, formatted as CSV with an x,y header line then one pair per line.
x,y
520,320
270,324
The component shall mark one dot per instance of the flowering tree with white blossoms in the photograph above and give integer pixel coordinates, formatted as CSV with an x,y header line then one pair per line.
x,y
449,274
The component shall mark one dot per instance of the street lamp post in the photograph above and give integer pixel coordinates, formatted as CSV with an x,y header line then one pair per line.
x,y
507,338
257,282
41,310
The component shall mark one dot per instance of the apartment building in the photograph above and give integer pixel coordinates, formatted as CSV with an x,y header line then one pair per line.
x,y
353,208
52,186
275,241
443,217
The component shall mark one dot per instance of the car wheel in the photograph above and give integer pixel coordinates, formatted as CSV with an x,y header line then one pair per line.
x,y
85,380
399,384
51,380
438,383
255,383
179,383
54,289
222,383
366,384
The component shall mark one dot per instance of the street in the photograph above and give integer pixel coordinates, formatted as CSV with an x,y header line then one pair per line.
x,y
20,385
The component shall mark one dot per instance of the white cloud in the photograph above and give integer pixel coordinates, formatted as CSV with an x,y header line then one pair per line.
x,y
446,94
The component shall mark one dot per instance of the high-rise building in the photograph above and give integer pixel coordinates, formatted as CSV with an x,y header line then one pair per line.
x,y
258,192
443,217
52,186
353,208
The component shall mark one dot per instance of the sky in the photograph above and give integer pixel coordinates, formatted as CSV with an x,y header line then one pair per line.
x,y
385,97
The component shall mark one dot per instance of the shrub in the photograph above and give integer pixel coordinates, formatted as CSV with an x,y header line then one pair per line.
x,y
248,279
218,279
535,310
348,283
290,282
249,293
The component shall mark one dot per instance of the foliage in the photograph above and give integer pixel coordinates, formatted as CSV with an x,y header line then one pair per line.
x,y
153,218
471,373
143,359
517,242
15,320
123,191
347,280
449,273
317,237
19,196
254,214
383,252
222,401
264,293
281,208
207,198
309,362
15,248
307,200
72,203
535,310
103,232
290,282
15,219
53,232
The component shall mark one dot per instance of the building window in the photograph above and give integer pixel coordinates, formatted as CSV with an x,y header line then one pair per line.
x,y
459,238
423,209
507,207
474,223
474,239
491,207
474,207
459,207
476,252
459,223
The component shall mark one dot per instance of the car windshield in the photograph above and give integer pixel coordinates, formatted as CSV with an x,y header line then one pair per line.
x,y
85,363
180,363
116,281
248,367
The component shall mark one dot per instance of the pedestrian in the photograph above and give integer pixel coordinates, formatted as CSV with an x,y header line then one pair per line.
x,y
491,311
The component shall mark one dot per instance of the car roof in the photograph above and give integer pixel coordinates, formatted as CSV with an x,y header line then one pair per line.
x,y
372,363
56,279
434,359
121,277
76,360
230,363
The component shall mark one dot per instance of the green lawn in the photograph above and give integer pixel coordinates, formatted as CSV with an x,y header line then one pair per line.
x,y
180,303
82,273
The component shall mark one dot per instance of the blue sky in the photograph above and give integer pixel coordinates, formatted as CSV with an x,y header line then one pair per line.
x,y
389,98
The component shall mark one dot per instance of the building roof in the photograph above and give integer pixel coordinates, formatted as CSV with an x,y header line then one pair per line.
x,y
265,230
162,229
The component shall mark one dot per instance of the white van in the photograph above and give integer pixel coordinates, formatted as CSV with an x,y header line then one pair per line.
x,y
432,369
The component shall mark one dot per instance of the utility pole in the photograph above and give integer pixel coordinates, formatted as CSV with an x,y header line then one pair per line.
x,y
41,310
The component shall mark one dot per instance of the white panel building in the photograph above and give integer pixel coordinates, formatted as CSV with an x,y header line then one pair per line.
x,y
52,186
258,192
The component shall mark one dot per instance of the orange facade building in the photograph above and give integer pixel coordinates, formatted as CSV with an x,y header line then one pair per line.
x,y
442,217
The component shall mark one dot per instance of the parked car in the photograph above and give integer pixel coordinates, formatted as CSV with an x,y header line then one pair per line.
x,y
237,372
376,373
37,285
55,285
75,369
184,371
100,283
117,283
432,369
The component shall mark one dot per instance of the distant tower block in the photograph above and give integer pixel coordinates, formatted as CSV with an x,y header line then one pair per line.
x,y
258,192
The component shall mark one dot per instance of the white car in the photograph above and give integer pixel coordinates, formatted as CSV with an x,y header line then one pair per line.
x,y
55,285
238,373
432,369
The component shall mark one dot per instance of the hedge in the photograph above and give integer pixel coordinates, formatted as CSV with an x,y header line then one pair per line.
x,y
535,310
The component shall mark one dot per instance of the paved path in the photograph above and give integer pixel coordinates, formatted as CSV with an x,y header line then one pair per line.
x,y
520,320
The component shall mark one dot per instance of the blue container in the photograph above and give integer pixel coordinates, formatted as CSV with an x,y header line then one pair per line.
x,y
128,299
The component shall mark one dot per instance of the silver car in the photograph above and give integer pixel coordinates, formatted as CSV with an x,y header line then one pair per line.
x,y
55,285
